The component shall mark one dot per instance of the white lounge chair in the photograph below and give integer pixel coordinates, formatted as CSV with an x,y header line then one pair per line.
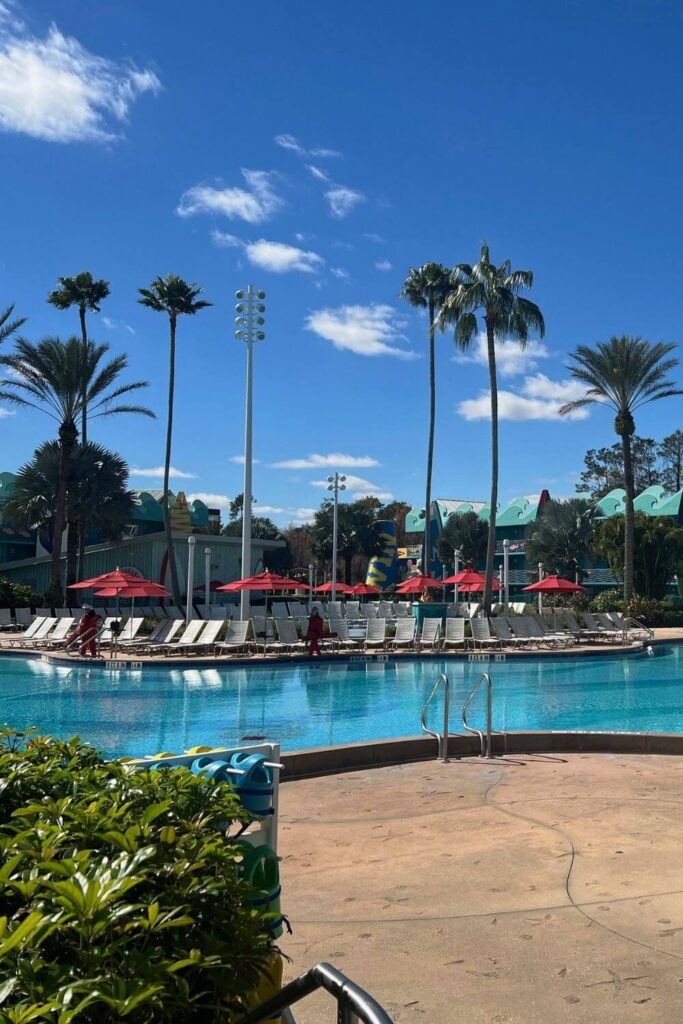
x,y
37,631
610,635
188,636
455,634
405,634
235,638
279,610
430,635
343,639
352,610
288,637
335,610
634,630
368,610
163,633
376,635
481,634
23,617
59,636
504,632
6,620
194,640
401,609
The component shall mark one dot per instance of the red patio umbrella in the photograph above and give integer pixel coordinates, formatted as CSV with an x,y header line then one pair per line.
x,y
117,578
477,588
143,588
326,588
415,584
264,581
466,577
363,589
554,585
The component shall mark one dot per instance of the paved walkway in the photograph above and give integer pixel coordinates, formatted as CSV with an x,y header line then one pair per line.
x,y
527,889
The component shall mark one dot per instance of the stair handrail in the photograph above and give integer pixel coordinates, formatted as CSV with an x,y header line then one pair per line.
x,y
484,739
353,1003
441,738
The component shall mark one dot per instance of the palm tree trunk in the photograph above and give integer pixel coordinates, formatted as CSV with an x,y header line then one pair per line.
x,y
72,546
175,588
82,524
68,438
427,544
628,515
491,542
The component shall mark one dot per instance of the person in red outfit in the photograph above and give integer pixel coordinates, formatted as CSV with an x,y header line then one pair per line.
x,y
316,629
87,631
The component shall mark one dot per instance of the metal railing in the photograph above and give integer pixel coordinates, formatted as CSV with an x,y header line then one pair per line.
x,y
440,737
354,1006
484,738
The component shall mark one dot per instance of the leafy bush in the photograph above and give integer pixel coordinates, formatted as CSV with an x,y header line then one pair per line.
x,y
121,892
608,601
17,595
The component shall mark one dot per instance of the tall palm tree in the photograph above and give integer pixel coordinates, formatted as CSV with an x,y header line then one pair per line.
x,y
9,327
98,480
494,292
624,373
174,297
87,294
426,287
49,376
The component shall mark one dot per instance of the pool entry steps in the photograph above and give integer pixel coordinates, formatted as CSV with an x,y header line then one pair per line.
x,y
443,737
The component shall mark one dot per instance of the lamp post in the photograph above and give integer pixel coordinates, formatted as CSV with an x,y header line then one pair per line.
x,y
456,570
335,484
207,576
541,574
249,322
506,573
191,541
310,575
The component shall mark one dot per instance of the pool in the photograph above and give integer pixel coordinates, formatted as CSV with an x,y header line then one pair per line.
x,y
324,703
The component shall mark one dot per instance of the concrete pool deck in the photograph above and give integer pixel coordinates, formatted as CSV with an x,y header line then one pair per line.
x,y
530,888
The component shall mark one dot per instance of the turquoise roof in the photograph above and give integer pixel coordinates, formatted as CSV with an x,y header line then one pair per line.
x,y
613,503
521,511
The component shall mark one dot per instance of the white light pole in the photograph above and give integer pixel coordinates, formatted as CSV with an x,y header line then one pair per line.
x,y
335,484
207,576
540,593
249,323
191,541
456,570
506,573
310,575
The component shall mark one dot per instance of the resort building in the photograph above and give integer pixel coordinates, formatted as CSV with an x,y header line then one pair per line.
x,y
25,555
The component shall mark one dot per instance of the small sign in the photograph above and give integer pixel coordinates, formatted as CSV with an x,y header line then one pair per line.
x,y
477,657
382,657
360,657
499,657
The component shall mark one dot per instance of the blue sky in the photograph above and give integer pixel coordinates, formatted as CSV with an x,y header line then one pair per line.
x,y
318,152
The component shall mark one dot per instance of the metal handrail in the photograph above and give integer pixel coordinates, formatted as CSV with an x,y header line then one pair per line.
x,y
353,1004
441,738
640,625
484,739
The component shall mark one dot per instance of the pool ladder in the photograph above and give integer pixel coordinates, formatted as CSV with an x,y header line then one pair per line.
x,y
442,737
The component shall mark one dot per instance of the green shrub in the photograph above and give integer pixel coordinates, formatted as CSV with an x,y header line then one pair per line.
x,y
18,595
121,893
608,601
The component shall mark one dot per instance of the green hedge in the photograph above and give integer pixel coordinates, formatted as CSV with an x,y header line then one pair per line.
x,y
121,895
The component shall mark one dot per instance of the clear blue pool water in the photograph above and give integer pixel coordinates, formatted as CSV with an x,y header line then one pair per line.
x,y
298,706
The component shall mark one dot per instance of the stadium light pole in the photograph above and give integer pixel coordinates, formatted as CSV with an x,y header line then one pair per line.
x,y
249,321
506,573
335,483
207,576
191,541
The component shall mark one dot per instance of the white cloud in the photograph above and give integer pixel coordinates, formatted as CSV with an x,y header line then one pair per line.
x,y
336,460
365,330
256,203
540,399
373,237
343,200
281,258
157,472
6,412
317,172
384,265
266,510
303,515
339,272
359,488
239,460
291,143
225,241
112,325
221,501
511,359
55,90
